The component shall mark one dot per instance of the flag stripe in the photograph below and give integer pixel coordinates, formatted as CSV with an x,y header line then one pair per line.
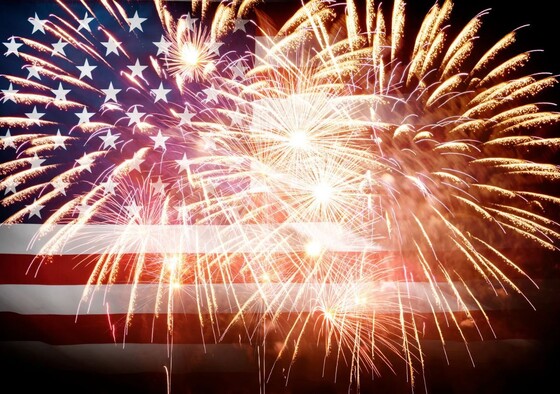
x,y
244,238
225,267
113,358
297,297
147,328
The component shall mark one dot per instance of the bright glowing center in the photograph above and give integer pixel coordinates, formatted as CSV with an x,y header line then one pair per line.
x,y
329,315
299,140
190,55
323,192
171,263
313,248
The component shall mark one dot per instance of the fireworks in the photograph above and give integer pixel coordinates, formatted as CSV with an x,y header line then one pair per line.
x,y
336,177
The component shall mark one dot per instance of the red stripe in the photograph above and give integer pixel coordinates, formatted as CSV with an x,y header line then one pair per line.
x,y
231,268
219,268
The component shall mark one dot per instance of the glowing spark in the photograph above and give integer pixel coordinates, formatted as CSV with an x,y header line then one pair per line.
x,y
323,192
313,248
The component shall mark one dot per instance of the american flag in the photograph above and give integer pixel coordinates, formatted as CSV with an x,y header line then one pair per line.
x,y
83,89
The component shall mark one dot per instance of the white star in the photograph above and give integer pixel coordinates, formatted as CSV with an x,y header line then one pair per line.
x,y
59,186
35,209
112,46
133,210
58,47
34,115
159,186
84,116
162,45
60,93
135,162
59,141
85,161
137,69
185,117
209,143
160,93
109,140
214,47
211,94
84,23
84,210
159,141
136,22
38,24
8,140
135,116
109,186
10,186
183,164
189,21
33,71
86,69
12,46
239,70
236,118
240,25
111,93
36,161
9,94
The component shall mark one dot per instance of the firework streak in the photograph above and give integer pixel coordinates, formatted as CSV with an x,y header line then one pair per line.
x,y
182,181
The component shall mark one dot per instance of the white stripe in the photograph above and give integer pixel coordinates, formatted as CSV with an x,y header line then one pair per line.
x,y
134,358
257,238
381,297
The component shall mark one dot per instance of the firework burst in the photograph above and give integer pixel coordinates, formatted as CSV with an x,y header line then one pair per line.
x,y
335,179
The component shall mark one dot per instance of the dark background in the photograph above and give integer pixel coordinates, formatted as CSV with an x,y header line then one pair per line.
x,y
528,366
